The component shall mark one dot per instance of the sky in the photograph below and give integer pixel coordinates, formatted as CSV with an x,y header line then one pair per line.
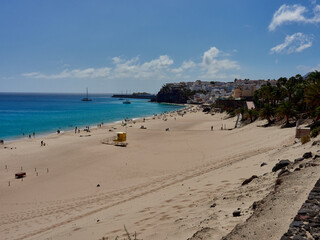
x,y
114,46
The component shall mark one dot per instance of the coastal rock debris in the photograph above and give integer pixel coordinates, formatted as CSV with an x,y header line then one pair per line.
x,y
236,213
307,155
281,164
249,180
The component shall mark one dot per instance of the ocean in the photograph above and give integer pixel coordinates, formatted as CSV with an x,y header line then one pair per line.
x,y
22,114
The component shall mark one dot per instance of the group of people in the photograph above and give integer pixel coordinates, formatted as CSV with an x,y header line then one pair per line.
x,y
33,134
76,130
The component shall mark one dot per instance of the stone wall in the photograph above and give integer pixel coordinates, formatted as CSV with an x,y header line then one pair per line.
x,y
306,224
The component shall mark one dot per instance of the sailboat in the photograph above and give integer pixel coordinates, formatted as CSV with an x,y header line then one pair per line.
x,y
86,99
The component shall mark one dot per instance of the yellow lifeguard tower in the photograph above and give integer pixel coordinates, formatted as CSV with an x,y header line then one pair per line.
x,y
121,137
118,140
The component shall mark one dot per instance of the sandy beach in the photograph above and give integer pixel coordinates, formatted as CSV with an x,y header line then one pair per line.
x,y
163,185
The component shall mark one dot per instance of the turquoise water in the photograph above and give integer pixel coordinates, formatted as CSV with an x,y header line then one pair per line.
x,y
25,113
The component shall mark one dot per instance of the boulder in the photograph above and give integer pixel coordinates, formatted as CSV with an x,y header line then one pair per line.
x,y
298,160
316,156
307,155
213,205
249,180
263,164
283,172
236,213
281,164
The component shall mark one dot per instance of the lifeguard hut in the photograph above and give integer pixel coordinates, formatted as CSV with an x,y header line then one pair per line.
x,y
118,140
121,137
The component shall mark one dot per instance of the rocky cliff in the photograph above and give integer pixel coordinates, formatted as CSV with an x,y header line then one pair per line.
x,y
173,94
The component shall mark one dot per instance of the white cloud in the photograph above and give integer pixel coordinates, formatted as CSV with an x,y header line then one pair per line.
x,y
209,55
295,43
293,13
156,68
313,1
184,66
76,73
214,64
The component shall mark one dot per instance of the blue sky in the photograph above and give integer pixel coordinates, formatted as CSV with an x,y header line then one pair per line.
x,y
113,46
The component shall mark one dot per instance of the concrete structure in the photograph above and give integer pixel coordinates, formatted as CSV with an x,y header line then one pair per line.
x,y
246,90
302,131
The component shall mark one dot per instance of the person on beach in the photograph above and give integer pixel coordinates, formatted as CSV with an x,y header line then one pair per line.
x,y
34,134
75,129
211,128
41,143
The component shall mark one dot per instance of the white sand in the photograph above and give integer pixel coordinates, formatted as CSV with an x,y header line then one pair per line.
x,y
161,185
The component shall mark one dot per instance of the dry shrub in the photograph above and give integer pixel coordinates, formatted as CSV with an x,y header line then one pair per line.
x,y
305,139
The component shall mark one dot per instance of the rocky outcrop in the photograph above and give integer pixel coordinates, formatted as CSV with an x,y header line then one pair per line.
x,y
245,182
281,164
173,94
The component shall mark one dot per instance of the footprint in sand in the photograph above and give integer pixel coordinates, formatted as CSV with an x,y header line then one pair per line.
x,y
165,217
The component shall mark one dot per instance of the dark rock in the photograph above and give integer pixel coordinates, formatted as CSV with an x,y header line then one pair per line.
x,y
298,237
254,205
263,164
316,156
213,205
285,238
307,155
236,213
173,94
296,224
283,172
298,160
281,164
98,185
316,143
249,180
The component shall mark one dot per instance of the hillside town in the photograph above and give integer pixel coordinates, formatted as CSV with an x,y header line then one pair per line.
x,y
208,92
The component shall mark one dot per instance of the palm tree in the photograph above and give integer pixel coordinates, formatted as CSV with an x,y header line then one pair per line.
x,y
252,113
317,113
286,110
312,93
267,112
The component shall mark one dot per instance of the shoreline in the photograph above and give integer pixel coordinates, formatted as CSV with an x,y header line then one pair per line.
x,y
49,133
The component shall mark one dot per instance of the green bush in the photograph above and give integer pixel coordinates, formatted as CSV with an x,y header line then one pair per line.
x,y
305,139
315,132
232,113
